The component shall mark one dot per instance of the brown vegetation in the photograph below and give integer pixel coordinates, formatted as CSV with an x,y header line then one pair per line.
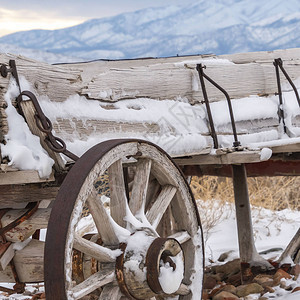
x,y
275,193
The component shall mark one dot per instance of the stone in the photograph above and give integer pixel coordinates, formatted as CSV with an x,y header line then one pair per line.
x,y
247,289
235,279
268,289
224,256
219,276
280,274
215,291
230,268
205,295
296,289
229,288
209,282
225,296
264,280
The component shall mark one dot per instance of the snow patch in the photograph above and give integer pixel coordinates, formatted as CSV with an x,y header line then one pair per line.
x,y
22,147
167,272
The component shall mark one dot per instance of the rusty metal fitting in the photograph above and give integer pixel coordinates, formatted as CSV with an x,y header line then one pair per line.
x,y
131,283
120,274
161,249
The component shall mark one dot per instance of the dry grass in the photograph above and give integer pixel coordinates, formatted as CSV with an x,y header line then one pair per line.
x,y
275,193
214,195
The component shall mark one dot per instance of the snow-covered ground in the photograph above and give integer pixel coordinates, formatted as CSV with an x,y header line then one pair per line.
x,y
272,230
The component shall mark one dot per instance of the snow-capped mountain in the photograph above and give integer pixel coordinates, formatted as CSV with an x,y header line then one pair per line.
x,y
216,26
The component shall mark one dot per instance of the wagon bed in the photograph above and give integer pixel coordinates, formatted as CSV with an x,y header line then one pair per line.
x,y
176,103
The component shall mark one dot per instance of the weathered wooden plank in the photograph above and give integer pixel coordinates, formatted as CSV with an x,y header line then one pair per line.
x,y
65,127
7,257
236,157
23,177
10,195
111,292
288,147
29,262
173,80
54,81
23,231
264,56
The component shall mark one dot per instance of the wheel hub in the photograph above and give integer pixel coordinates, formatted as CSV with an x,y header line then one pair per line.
x,y
144,269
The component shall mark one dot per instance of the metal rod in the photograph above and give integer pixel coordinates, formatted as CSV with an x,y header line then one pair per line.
x,y
236,142
210,118
280,108
279,62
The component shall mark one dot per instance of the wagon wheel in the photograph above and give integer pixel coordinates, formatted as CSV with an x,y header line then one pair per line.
x,y
149,247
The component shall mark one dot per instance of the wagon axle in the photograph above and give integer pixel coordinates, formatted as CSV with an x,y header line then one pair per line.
x,y
139,267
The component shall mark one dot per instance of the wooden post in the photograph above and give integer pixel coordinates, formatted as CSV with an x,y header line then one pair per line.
x,y
243,213
292,250
248,253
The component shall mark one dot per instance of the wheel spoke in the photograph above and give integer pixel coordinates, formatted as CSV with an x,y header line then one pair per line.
x,y
94,282
161,204
103,220
140,185
118,197
152,192
100,253
111,292
183,290
181,237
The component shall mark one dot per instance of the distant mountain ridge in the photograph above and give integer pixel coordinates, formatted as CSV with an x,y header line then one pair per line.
x,y
216,26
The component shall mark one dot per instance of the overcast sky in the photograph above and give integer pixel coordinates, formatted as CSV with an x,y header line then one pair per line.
x,y
18,15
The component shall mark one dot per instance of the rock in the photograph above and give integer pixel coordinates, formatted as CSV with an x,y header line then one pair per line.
x,y
280,274
224,255
235,279
219,276
205,295
264,280
229,288
230,268
215,291
247,289
268,289
263,298
225,296
296,289
209,282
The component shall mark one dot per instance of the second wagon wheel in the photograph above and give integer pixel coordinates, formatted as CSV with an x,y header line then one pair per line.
x,y
142,237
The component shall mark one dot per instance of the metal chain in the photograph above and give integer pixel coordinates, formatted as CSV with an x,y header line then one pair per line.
x,y
42,122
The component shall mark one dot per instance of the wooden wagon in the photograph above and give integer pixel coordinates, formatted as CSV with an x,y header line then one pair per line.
x,y
124,223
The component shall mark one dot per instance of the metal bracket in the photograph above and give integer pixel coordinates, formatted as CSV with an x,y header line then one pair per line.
x,y
278,63
4,70
202,75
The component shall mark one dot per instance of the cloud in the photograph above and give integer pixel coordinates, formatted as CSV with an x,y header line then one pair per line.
x,y
55,14
19,20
